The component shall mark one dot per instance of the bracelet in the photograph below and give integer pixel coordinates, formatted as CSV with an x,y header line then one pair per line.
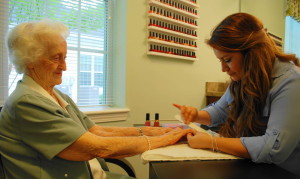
x,y
212,143
214,140
141,131
217,148
148,140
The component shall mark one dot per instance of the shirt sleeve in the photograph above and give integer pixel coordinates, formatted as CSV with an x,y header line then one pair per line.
x,y
218,111
45,126
282,133
83,117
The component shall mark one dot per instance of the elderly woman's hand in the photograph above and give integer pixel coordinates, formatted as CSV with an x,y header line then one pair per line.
x,y
177,134
169,138
155,131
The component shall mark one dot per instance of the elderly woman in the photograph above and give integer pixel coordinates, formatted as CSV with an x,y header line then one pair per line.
x,y
43,134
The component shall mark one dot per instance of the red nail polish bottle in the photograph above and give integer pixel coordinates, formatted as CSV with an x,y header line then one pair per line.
x,y
147,122
156,122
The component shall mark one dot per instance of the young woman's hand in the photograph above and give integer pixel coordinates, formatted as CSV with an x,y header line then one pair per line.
x,y
189,113
200,140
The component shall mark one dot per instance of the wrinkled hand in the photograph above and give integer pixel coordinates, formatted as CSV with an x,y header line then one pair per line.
x,y
200,140
177,134
155,131
188,113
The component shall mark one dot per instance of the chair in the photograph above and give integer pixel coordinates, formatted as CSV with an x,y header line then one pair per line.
x,y
123,163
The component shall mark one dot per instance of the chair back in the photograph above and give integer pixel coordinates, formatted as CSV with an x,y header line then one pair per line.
x,y
1,168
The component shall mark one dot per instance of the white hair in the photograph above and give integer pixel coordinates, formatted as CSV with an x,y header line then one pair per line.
x,y
28,41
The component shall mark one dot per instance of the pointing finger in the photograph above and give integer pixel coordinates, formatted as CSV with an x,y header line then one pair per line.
x,y
177,106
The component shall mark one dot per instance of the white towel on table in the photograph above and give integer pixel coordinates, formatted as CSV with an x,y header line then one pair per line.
x,y
180,152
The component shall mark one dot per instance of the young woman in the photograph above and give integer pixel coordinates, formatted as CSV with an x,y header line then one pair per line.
x,y
258,116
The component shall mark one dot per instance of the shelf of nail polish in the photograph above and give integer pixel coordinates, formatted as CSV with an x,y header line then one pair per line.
x,y
171,56
172,38
153,41
192,3
176,7
172,15
159,38
173,28
174,32
160,50
176,19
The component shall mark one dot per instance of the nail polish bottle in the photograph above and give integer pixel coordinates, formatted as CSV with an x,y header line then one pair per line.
x,y
150,10
156,122
147,122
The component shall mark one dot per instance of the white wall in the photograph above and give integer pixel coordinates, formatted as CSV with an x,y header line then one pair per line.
x,y
270,12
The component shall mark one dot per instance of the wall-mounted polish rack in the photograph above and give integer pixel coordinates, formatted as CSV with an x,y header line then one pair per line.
x,y
172,28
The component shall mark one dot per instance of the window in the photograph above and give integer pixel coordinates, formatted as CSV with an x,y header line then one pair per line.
x,y
88,58
292,36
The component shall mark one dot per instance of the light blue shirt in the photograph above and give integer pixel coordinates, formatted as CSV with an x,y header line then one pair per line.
x,y
280,143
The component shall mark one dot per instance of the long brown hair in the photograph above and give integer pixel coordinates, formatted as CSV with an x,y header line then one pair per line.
x,y
242,32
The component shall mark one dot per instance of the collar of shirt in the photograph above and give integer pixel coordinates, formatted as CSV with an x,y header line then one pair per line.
x,y
280,68
28,81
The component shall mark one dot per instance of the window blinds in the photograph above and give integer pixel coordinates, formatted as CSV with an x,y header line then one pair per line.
x,y
87,79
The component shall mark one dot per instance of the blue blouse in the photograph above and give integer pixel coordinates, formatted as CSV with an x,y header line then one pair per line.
x,y
280,143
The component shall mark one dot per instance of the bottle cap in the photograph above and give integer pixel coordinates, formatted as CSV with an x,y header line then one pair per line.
x,y
147,116
156,116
